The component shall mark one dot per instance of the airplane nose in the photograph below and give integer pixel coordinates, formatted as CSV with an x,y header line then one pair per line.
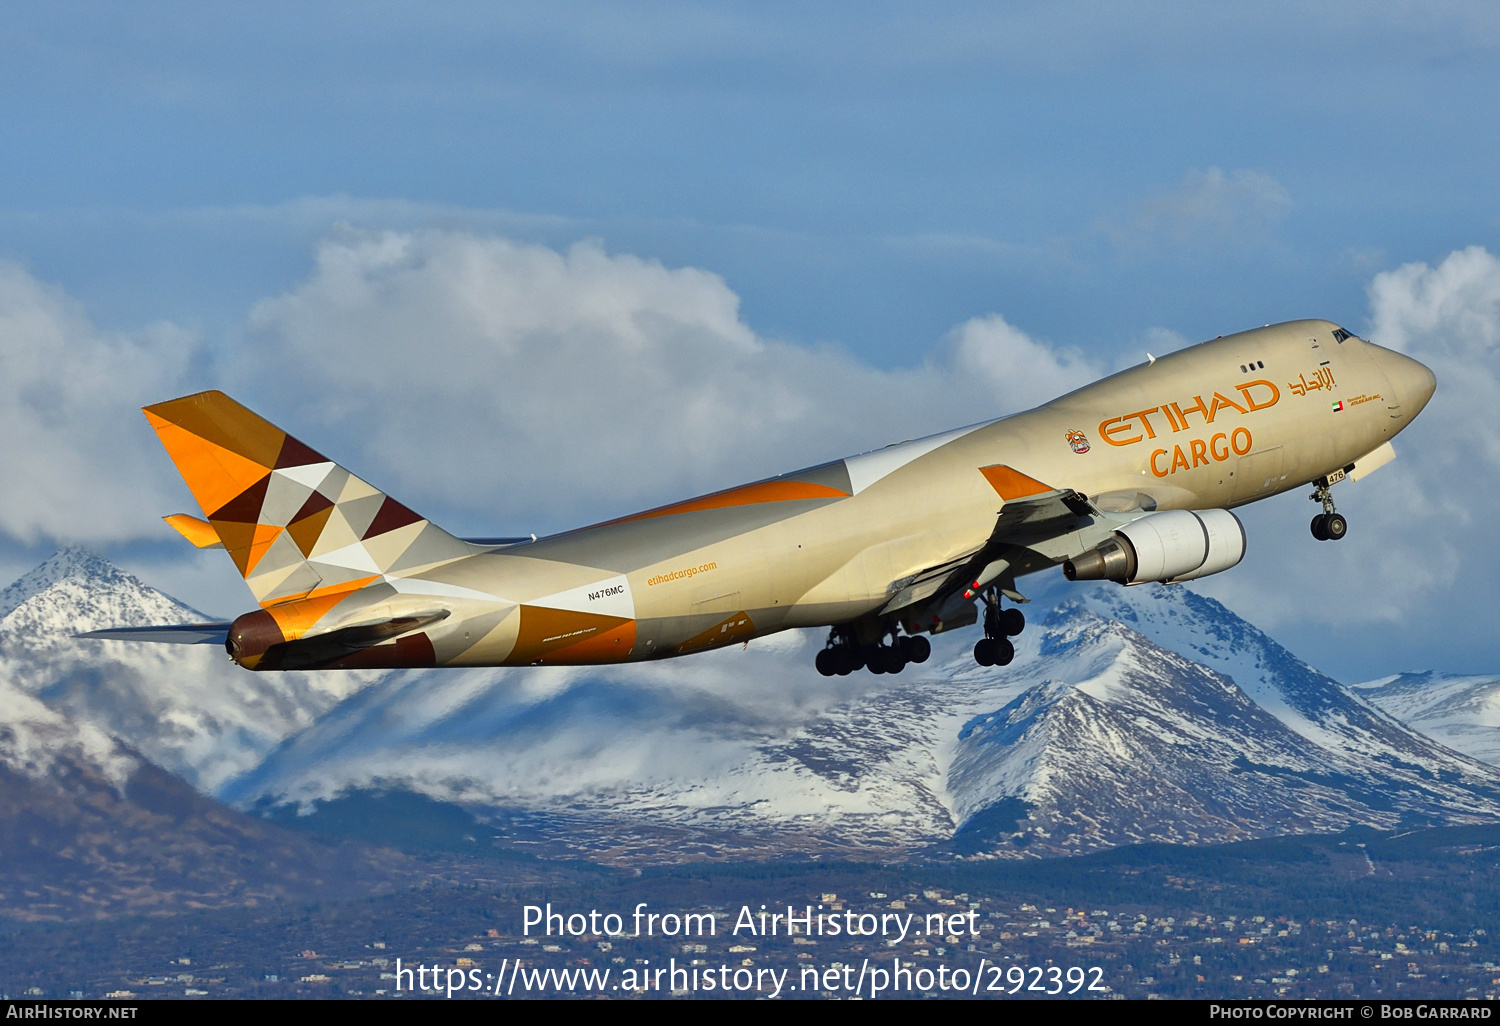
x,y
1412,382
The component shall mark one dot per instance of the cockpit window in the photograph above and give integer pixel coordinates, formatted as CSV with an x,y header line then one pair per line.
x,y
1339,334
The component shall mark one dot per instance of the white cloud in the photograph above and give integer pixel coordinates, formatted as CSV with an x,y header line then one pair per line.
x,y
1019,370
1209,207
74,464
515,387
537,388
1449,318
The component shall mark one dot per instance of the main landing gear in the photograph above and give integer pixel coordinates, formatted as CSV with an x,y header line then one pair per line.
x,y
1000,625
1327,525
844,655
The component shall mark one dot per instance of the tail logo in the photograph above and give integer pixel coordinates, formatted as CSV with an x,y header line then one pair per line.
x,y
296,524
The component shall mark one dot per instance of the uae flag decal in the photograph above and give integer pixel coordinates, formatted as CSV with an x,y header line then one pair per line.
x,y
1338,407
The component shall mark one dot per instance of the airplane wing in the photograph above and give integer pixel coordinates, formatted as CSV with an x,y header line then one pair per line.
x,y
169,634
1030,511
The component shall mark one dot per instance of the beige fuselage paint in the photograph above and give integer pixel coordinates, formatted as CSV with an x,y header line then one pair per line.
x,y
1215,425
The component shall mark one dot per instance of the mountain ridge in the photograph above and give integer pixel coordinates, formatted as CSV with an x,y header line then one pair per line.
x,y
1129,715
185,707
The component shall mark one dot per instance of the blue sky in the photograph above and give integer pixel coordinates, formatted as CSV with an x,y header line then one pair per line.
x,y
868,183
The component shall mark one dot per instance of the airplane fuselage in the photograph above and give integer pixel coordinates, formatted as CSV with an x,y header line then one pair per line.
x,y
1215,425
1127,479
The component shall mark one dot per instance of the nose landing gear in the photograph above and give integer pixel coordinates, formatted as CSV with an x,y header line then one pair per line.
x,y
1000,625
1328,525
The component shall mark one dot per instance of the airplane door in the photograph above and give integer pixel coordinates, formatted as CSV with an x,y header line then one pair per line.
x,y
1258,474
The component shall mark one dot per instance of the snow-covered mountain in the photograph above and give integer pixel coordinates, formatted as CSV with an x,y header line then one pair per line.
x,y
1126,741
36,741
742,742
184,707
1460,712
1096,736
1134,714
1336,718
90,828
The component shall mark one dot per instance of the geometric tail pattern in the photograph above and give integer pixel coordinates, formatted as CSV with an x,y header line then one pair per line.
x,y
298,526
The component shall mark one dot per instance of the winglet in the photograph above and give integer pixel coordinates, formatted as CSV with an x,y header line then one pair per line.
x,y
1012,484
200,532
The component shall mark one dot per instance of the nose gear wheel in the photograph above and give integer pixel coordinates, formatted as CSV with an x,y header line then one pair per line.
x,y
1328,525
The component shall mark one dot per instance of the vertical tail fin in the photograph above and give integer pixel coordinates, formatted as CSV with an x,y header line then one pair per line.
x,y
296,524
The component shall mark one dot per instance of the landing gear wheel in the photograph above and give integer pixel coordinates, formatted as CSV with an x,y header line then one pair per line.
x,y
1327,525
1012,622
917,649
827,662
1004,651
984,651
895,660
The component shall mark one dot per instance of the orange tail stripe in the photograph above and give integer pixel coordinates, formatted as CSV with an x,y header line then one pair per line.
x,y
295,617
747,495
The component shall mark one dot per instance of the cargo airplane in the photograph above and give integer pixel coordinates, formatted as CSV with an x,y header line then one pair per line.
x,y
1129,479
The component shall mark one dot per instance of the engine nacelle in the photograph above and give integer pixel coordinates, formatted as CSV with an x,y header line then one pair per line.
x,y
1175,545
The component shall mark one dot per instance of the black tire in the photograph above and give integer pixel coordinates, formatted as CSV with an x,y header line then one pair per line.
x,y
1320,527
1335,526
874,659
1012,622
850,660
984,652
1004,652
827,662
895,660
918,649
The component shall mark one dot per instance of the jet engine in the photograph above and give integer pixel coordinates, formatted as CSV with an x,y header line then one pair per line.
x,y
1175,545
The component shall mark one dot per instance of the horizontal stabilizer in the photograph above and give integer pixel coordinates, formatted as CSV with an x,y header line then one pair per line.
x,y
169,634
200,532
